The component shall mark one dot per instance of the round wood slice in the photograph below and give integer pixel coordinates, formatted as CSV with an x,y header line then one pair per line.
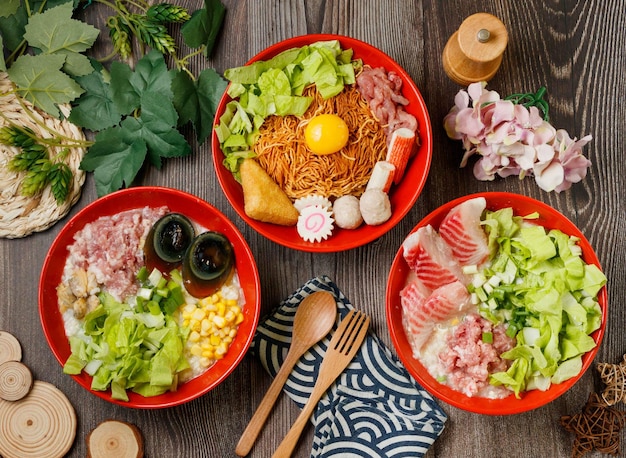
x,y
115,438
16,381
10,348
42,425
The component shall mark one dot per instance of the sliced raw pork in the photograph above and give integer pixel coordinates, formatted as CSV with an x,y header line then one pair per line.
x,y
462,231
432,260
421,313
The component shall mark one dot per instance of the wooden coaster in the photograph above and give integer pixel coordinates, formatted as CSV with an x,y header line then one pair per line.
x,y
22,215
16,381
10,348
115,438
42,425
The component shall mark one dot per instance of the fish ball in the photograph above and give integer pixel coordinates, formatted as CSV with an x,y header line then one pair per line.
x,y
347,213
375,207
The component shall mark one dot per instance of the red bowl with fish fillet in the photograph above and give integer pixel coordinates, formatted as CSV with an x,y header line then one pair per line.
x,y
401,274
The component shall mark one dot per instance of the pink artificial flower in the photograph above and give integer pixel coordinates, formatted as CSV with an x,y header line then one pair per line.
x,y
570,153
514,140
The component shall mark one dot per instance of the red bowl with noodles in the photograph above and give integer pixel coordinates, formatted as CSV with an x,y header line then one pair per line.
x,y
399,276
402,196
206,217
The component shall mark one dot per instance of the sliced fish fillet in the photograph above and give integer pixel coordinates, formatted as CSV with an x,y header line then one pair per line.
x,y
462,231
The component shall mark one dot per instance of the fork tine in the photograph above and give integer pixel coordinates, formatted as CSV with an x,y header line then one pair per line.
x,y
353,324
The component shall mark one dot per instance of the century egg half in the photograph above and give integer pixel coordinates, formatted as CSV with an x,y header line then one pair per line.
x,y
168,241
208,264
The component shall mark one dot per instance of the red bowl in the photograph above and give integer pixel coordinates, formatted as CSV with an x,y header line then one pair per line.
x,y
197,210
402,196
522,205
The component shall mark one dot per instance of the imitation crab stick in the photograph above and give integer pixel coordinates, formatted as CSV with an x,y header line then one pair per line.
x,y
400,150
382,176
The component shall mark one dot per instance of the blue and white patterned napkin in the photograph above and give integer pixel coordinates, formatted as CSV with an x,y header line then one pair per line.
x,y
375,408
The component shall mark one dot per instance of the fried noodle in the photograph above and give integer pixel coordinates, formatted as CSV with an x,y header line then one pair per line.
x,y
282,152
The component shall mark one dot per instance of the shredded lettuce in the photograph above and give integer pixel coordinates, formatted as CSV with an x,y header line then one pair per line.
x,y
275,87
138,347
546,297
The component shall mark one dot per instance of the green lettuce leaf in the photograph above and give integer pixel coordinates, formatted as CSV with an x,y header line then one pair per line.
x,y
123,353
275,87
545,295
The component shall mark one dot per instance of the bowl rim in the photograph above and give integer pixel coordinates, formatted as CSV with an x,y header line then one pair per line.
x,y
131,198
336,243
510,405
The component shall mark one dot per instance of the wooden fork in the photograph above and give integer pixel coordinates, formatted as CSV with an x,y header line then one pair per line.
x,y
344,344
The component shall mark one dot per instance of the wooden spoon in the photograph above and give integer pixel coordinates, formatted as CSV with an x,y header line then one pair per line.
x,y
314,319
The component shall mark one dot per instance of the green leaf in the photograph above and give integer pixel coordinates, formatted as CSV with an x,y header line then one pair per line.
x,y
151,74
115,158
3,64
157,127
40,81
204,26
12,28
95,109
76,64
119,152
9,7
196,101
54,31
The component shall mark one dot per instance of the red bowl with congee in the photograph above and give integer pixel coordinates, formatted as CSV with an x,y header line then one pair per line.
x,y
204,217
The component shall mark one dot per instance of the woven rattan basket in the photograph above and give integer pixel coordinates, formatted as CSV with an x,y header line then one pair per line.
x,y
20,215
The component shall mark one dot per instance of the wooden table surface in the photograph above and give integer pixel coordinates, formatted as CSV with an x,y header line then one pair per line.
x,y
575,48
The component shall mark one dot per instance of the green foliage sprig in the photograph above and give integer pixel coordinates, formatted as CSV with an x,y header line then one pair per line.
x,y
136,107
34,160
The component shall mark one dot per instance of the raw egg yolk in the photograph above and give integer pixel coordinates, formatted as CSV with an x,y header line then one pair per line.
x,y
326,134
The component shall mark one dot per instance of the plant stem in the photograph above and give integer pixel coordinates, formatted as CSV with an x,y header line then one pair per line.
x,y
57,138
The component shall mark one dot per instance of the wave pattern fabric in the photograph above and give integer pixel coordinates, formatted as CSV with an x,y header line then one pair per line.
x,y
374,409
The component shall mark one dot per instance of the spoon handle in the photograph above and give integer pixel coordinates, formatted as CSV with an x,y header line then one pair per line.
x,y
290,440
257,421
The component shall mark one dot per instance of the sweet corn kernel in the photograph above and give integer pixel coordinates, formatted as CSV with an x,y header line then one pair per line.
x,y
194,336
215,340
196,350
199,314
213,322
219,321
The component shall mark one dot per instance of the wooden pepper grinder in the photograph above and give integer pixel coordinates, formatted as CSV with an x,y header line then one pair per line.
x,y
474,52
